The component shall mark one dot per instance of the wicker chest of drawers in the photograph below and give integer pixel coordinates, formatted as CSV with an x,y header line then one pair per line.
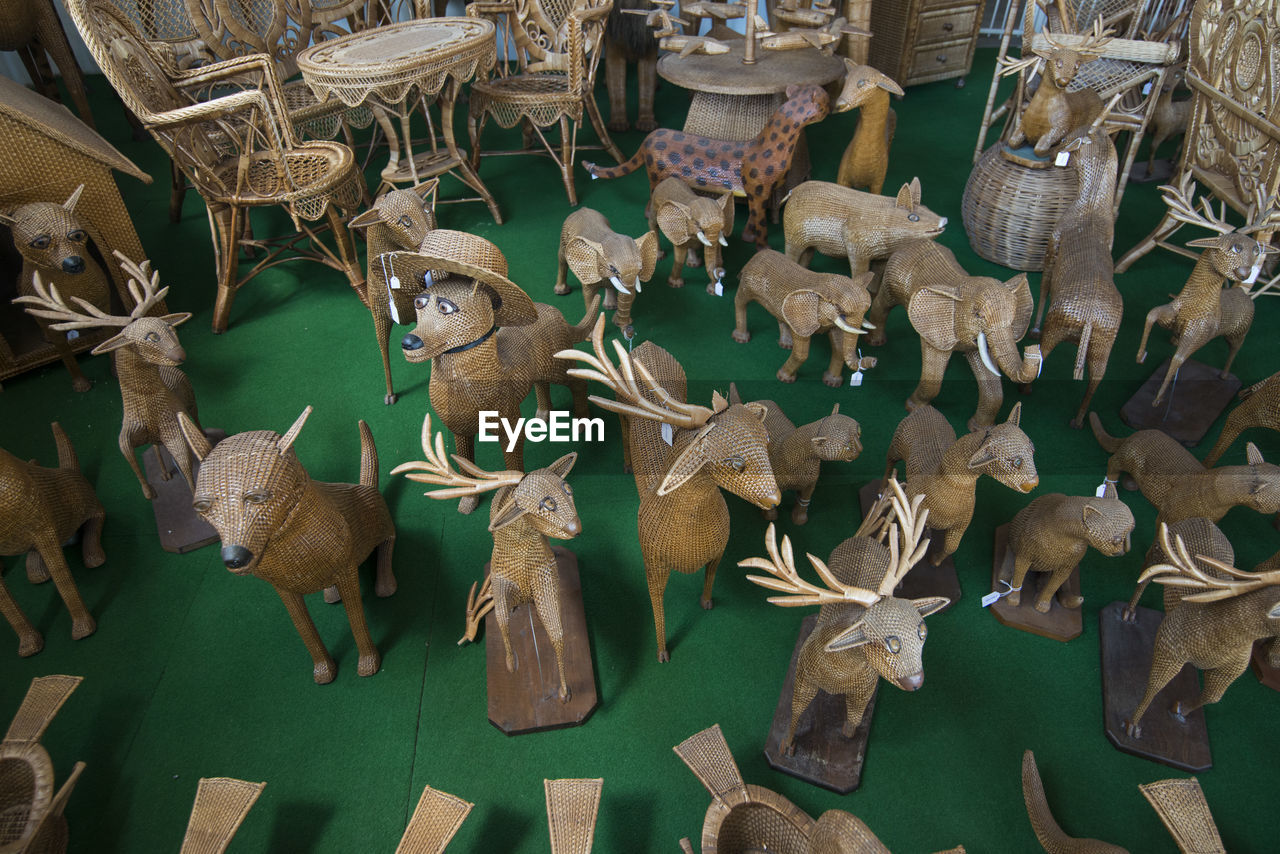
x,y
920,41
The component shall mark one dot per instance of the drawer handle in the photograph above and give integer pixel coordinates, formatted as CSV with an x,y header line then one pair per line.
x,y
948,26
942,57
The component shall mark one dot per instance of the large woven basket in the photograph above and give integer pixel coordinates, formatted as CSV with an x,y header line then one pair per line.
x,y
1010,208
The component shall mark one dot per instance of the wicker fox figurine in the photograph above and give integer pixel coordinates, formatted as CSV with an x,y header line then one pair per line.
x,y
866,160
40,509
1259,407
54,244
1178,485
487,342
527,510
683,518
1203,310
863,631
805,304
147,353
297,534
596,254
687,219
946,469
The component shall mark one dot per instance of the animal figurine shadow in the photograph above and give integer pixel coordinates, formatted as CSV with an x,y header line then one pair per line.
x,y
55,246
527,510
1259,407
682,455
946,470
687,219
597,254
1203,310
297,534
805,304
40,509
866,160
146,354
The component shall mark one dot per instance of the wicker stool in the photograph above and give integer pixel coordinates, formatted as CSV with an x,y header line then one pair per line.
x,y
1011,203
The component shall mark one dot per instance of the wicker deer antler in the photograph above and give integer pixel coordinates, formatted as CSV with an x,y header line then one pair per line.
x,y
49,304
1182,207
435,469
1182,571
1094,44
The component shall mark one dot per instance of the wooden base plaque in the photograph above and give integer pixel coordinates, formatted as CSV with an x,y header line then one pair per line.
x,y
1267,675
1192,403
1181,743
924,579
527,699
180,529
1060,624
823,756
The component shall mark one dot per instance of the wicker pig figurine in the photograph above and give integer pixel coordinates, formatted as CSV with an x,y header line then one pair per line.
x,y
687,219
1259,407
1052,534
683,518
40,509
862,227
596,254
297,534
866,160
527,510
946,469
1178,485
805,304
863,631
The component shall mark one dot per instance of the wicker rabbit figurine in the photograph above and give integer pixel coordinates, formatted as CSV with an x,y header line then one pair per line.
x,y
1259,407
596,253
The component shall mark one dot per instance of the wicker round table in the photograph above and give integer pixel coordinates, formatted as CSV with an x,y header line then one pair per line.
x,y
396,67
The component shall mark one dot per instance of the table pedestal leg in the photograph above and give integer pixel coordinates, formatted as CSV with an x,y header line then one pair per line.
x,y
448,96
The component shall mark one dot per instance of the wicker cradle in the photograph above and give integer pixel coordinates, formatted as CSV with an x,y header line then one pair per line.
x,y
1010,207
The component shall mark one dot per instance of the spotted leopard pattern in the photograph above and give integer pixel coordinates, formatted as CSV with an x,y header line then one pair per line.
x,y
753,168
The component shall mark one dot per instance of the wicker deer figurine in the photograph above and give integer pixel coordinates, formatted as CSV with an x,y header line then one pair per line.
x,y
527,510
297,534
863,631
1170,117
1203,310
1213,625
147,354
1259,407
683,518
40,509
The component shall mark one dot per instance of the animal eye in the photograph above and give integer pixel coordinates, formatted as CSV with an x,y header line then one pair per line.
x,y
256,497
566,488
406,222
922,631
41,242
77,235
421,302
1017,462
202,505
548,504
892,644
736,463
913,217
445,306
1115,541
152,337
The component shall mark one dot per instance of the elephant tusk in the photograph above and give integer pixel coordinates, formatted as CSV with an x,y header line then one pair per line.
x,y
723,242
617,283
867,324
637,285
840,321
718,272
985,354
703,238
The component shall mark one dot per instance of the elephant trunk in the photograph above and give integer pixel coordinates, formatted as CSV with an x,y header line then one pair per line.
x,y
1006,360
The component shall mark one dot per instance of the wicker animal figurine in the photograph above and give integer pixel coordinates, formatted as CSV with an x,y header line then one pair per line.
x,y
1212,625
1202,310
946,469
844,223
864,632
687,219
754,168
1078,285
147,353
1202,538
297,534
1170,117
40,509
1052,534
1053,112
54,244
1259,407
527,510
487,342
627,39
866,160
1178,485
596,254
977,316
683,518
805,304
398,222
1053,839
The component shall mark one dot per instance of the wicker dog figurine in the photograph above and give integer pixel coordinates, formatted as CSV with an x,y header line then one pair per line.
x,y
1178,485
687,219
805,304
754,168
1214,613
297,534
1052,534
1203,310
863,631
1259,407
40,509
866,160
487,342
946,469
147,354
54,244
527,510
597,253
683,518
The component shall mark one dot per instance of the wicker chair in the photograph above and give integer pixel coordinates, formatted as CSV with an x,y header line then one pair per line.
x,y
32,28
558,46
220,808
239,149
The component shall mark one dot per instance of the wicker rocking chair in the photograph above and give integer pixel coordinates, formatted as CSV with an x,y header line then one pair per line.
x,y
239,150
559,45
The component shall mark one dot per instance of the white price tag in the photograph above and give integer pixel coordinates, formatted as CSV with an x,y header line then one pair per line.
x,y
990,599
73,334
395,283
667,433
395,315
719,289
1062,158
856,379
1146,88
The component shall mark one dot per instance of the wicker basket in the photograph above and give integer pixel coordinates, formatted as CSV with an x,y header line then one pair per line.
x,y
1010,207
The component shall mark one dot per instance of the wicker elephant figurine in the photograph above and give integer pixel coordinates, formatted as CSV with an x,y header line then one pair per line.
x,y
596,254
687,219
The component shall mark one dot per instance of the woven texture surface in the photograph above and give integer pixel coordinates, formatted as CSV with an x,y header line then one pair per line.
x,y
1010,209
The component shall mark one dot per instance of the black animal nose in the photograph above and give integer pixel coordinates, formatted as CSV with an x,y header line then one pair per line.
x,y
236,556
411,342
73,264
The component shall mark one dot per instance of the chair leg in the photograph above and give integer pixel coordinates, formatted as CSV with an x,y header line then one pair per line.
x,y
226,223
598,123
177,193
51,37
347,252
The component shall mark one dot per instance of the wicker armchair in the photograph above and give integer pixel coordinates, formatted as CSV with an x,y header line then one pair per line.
x,y
558,45
239,150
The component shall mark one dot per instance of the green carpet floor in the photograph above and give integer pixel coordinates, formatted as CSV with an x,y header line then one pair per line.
x,y
194,672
